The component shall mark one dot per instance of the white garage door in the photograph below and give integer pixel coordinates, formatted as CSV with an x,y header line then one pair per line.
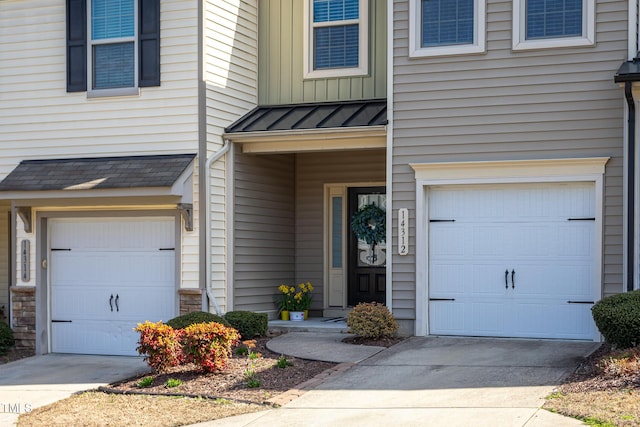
x,y
107,275
512,260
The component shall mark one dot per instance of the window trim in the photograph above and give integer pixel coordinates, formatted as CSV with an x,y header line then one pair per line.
x,y
363,48
415,33
120,91
519,27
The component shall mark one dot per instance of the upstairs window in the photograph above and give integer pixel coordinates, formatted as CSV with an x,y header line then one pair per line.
x,y
539,24
113,46
336,38
447,27
112,55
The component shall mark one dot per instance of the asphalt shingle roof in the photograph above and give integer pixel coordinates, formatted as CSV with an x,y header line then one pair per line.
x,y
96,173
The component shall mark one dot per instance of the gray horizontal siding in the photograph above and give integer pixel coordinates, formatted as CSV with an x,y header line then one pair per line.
x,y
505,105
263,229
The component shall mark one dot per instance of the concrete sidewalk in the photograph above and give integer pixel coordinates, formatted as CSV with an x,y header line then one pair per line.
x,y
36,381
431,382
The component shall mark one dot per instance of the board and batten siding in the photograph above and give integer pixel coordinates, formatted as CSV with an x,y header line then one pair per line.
x,y
313,171
231,79
506,105
281,26
264,252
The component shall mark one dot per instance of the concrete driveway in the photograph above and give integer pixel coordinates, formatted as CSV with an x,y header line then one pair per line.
x,y
37,381
438,382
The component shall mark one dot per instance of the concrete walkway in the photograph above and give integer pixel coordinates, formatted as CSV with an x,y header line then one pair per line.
x,y
36,381
429,382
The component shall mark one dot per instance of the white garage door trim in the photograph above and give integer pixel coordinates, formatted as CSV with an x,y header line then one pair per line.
x,y
157,231
500,172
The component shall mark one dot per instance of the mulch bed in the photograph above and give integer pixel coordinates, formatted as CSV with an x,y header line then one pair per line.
x,y
380,342
231,383
588,377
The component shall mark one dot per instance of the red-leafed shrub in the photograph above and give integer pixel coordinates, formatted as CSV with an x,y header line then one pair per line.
x,y
209,345
161,345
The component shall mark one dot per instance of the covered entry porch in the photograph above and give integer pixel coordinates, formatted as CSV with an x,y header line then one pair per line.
x,y
295,192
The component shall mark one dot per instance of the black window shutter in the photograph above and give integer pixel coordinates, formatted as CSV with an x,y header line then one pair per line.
x,y
148,43
76,45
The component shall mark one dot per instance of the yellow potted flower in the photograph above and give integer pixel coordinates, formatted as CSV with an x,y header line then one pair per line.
x,y
285,300
302,301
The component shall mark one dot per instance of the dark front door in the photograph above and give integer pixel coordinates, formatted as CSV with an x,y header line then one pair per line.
x,y
367,271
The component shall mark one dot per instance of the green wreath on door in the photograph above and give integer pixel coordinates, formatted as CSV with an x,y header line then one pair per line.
x,y
369,224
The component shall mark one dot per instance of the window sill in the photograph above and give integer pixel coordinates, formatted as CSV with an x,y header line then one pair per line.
x,y
553,43
337,72
423,52
110,93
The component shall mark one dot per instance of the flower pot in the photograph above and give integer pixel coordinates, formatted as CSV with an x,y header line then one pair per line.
x,y
284,315
306,314
296,316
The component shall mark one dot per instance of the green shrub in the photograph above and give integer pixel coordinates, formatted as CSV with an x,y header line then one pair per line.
x,y
6,338
209,345
618,319
371,320
161,345
185,320
248,323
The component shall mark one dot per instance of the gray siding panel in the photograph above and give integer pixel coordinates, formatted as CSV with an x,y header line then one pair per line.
x,y
263,229
506,105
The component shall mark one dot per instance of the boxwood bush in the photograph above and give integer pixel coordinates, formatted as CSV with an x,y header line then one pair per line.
x,y
6,338
248,323
372,320
194,317
618,319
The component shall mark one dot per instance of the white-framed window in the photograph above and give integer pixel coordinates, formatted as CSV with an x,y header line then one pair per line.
x,y
336,38
447,27
541,24
113,47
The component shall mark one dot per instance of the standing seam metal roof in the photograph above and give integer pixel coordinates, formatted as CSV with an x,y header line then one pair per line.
x,y
312,116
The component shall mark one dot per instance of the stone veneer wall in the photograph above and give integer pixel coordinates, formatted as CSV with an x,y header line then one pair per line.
x,y
190,300
23,315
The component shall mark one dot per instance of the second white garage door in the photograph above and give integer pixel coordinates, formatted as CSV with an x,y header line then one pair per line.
x,y
512,260
106,276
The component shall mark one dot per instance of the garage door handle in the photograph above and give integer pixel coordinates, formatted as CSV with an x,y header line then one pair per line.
x,y
117,299
513,283
111,302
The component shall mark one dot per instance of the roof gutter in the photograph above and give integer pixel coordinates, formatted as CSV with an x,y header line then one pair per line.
x,y
631,174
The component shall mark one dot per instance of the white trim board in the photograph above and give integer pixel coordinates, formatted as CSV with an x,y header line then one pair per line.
x,y
500,172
